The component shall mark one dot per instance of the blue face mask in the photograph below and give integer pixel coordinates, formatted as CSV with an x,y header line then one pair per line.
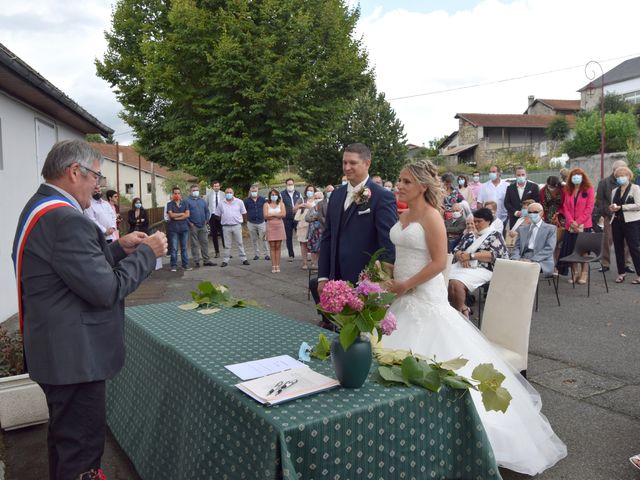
x,y
493,176
228,196
534,217
622,180
521,180
461,182
344,182
274,198
576,179
253,194
310,194
329,194
195,193
524,212
138,205
476,178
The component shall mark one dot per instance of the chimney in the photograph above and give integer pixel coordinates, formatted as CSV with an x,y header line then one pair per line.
x,y
531,100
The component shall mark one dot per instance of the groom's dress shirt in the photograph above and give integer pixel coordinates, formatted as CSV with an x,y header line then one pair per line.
x,y
351,190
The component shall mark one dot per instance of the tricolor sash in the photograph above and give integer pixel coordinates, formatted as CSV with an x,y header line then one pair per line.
x,y
29,221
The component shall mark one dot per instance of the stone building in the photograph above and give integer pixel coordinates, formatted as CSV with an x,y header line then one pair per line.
x,y
547,106
622,80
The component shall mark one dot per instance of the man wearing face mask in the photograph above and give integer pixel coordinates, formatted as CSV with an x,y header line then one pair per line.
x,y
519,192
230,212
102,215
198,216
178,229
455,226
536,241
494,191
254,204
290,197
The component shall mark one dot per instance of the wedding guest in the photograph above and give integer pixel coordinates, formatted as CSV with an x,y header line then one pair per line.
x,y
523,220
231,212
321,208
465,190
198,217
137,217
474,259
494,190
564,175
178,230
113,198
625,223
315,229
254,204
551,201
451,194
102,214
578,199
388,186
290,197
274,212
475,188
377,179
455,226
214,198
343,180
497,224
516,193
536,242
301,209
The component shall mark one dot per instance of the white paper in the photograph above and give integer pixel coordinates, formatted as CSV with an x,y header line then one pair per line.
x,y
263,367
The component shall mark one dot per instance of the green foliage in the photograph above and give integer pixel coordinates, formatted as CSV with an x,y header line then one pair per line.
x,y
511,159
210,298
177,179
620,128
615,103
633,153
371,121
233,89
11,356
402,367
322,350
558,129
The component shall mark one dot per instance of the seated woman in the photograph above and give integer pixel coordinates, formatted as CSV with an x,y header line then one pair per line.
x,y
455,226
497,224
473,258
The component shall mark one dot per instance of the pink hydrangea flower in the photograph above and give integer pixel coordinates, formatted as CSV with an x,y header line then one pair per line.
x,y
388,324
335,295
356,304
366,287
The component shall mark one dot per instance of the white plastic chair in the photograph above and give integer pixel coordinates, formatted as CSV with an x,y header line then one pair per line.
x,y
447,269
506,320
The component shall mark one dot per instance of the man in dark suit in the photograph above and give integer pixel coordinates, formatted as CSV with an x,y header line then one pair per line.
x,y
290,196
71,287
517,193
356,225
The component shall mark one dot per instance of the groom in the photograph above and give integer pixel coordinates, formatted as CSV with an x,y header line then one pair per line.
x,y
359,217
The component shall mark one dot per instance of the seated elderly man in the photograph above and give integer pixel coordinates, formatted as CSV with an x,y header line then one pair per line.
x,y
536,241
455,226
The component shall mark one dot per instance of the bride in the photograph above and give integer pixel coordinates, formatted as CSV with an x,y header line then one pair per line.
x,y
522,439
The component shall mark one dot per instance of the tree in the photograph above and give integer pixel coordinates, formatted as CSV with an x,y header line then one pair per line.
x,y
620,128
558,129
97,138
371,121
230,88
614,103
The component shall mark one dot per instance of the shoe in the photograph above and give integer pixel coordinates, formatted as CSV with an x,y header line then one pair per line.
x,y
196,265
209,264
274,269
267,257
583,279
174,269
291,259
629,270
305,267
620,278
635,461
246,262
256,257
603,269
224,264
188,269
277,269
217,255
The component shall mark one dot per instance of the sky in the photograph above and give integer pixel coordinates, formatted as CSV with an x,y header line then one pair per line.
x,y
416,47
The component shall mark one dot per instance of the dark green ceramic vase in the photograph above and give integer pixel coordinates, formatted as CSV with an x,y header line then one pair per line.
x,y
351,367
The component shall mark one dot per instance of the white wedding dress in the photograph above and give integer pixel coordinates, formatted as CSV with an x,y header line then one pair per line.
x,y
522,438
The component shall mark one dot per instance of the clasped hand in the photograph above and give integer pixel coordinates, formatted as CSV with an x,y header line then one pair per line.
x,y
157,242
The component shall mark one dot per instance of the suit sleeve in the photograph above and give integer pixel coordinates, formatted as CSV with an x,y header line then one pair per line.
x,y
509,201
78,259
386,217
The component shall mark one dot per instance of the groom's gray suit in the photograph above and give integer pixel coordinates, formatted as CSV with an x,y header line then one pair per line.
x,y
543,246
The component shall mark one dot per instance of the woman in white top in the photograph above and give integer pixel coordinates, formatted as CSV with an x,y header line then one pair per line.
x,y
625,222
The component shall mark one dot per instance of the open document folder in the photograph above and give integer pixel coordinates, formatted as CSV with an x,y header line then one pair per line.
x,y
284,386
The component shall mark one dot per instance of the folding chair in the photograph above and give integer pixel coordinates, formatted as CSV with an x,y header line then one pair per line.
x,y
588,249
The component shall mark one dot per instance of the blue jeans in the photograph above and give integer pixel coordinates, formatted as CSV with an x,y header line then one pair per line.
x,y
183,237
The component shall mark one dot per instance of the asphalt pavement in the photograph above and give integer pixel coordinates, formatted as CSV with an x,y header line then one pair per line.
x,y
584,361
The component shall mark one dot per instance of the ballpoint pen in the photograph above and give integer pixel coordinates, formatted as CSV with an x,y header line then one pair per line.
x,y
275,387
285,385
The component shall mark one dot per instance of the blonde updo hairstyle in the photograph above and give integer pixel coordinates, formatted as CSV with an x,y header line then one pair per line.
x,y
426,174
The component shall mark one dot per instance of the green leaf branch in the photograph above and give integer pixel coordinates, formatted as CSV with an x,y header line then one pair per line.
x,y
210,298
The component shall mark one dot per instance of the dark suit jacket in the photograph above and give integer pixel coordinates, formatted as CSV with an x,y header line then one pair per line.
x,y
513,202
348,242
73,290
288,206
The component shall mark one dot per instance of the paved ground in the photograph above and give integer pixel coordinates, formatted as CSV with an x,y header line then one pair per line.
x,y
584,361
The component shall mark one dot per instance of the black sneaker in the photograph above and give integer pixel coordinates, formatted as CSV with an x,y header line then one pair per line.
x,y
196,265
217,255
246,262
267,257
629,270
256,257
209,264
224,264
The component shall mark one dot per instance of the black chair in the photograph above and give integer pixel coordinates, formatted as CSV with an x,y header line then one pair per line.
x,y
588,249
551,280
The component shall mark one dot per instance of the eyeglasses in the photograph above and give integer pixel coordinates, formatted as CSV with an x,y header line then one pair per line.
x,y
98,175
535,211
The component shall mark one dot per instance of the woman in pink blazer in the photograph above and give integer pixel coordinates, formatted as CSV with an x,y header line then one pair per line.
x,y
578,199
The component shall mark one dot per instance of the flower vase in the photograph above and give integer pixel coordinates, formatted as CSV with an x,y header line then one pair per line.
x,y
352,367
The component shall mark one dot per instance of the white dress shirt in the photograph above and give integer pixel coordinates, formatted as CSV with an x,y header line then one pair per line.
x,y
532,237
211,200
351,190
494,193
102,214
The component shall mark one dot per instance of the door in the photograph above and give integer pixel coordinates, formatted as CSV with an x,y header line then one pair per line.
x,y
45,138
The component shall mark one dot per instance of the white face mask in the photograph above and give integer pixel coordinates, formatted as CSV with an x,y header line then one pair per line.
x,y
195,193
290,188
344,182
457,214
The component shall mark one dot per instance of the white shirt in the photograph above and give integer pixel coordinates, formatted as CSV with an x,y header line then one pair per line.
x,y
211,200
351,190
534,233
521,190
492,193
102,214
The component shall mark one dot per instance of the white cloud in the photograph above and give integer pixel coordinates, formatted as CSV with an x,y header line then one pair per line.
x,y
423,52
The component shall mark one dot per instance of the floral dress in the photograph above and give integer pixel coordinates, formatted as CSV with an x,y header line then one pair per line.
x,y
494,243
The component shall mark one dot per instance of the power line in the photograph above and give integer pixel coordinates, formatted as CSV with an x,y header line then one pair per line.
x,y
122,133
475,85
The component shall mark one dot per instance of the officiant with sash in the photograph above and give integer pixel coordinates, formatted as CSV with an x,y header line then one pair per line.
x,y
358,221
474,258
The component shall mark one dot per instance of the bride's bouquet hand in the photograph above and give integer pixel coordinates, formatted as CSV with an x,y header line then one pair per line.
x,y
397,287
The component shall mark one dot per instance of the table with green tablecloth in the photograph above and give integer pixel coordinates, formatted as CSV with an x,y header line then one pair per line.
x,y
175,411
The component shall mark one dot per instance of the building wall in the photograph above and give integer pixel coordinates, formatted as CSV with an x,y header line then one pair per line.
x,y
19,179
129,176
467,133
540,109
591,100
591,164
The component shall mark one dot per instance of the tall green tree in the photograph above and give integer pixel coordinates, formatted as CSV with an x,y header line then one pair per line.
x,y
619,129
230,88
371,121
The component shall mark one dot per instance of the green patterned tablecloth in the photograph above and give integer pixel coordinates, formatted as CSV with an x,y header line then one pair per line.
x,y
175,411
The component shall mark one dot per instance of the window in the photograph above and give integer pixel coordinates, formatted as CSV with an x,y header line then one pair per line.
x,y
632,97
128,187
45,139
148,188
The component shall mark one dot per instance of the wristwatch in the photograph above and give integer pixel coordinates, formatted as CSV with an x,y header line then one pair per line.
x,y
472,256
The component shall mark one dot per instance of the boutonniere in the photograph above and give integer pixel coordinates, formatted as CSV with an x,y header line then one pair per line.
x,y
362,197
